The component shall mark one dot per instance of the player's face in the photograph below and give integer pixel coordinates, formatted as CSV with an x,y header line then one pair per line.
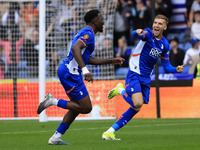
x,y
159,25
99,23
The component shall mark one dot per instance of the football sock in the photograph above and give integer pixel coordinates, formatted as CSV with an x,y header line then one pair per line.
x,y
62,103
111,129
55,102
57,135
124,119
61,130
127,98
121,90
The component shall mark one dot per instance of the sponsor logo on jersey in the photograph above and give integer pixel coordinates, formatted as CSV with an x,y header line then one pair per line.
x,y
155,52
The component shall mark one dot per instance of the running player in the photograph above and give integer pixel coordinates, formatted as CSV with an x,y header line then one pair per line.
x,y
70,76
151,46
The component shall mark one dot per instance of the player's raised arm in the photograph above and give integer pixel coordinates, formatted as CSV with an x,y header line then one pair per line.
x,y
140,33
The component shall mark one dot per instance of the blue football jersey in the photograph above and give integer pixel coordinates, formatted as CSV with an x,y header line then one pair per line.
x,y
86,35
147,52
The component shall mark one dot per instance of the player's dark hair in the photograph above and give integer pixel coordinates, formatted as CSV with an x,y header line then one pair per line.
x,y
197,12
91,15
175,39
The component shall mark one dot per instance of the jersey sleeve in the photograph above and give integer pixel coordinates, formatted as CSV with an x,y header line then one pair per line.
x,y
165,60
165,54
147,33
87,37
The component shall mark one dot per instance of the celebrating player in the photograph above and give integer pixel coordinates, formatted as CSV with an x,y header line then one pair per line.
x,y
150,47
69,73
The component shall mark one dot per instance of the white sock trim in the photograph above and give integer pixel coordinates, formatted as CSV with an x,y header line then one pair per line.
x,y
121,90
55,102
110,130
57,135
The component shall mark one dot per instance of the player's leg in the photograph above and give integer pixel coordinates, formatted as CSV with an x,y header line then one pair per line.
x,y
119,90
133,96
50,100
85,107
74,88
137,100
63,127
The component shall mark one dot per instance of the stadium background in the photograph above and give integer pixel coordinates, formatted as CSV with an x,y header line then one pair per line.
x,y
20,88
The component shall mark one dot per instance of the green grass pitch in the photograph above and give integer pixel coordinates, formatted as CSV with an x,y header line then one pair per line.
x,y
138,134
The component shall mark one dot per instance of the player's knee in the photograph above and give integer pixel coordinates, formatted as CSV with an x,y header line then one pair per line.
x,y
138,104
86,110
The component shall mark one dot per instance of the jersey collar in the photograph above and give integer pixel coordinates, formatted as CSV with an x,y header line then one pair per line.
x,y
90,27
155,37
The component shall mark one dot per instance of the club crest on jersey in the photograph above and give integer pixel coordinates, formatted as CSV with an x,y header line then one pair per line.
x,y
162,46
85,37
155,52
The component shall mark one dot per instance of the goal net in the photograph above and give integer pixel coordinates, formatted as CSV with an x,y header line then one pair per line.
x,y
21,61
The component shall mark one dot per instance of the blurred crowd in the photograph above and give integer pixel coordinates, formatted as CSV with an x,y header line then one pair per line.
x,y
62,21
183,30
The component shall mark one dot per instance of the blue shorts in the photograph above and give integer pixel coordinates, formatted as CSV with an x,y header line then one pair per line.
x,y
135,83
73,84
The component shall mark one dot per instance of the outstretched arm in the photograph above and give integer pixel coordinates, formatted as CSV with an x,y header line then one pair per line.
x,y
169,68
180,68
139,33
99,61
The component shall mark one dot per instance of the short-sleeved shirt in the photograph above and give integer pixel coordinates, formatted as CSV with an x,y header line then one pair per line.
x,y
69,71
86,35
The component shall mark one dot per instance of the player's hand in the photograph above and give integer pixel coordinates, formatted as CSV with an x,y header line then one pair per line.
x,y
139,31
88,77
180,68
118,61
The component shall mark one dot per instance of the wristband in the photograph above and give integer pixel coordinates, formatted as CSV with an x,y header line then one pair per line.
x,y
85,70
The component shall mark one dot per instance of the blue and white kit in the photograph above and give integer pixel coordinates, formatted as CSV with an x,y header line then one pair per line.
x,y
143,60
69,72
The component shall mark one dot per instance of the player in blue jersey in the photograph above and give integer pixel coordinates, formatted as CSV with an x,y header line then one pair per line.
x,y
70,74
151,46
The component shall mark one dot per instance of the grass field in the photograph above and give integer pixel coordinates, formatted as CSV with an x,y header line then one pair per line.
x,y
138,134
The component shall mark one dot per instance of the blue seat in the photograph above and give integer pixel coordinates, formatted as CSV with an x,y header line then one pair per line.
x,y
186,69
184,46
121,71
188,45
160,70
180,36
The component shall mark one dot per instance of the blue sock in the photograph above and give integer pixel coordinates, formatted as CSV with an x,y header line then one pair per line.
x,y
127,98
62,128
62,103
124,119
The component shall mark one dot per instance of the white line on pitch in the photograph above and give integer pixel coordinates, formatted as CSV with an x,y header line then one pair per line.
x,y
77,129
